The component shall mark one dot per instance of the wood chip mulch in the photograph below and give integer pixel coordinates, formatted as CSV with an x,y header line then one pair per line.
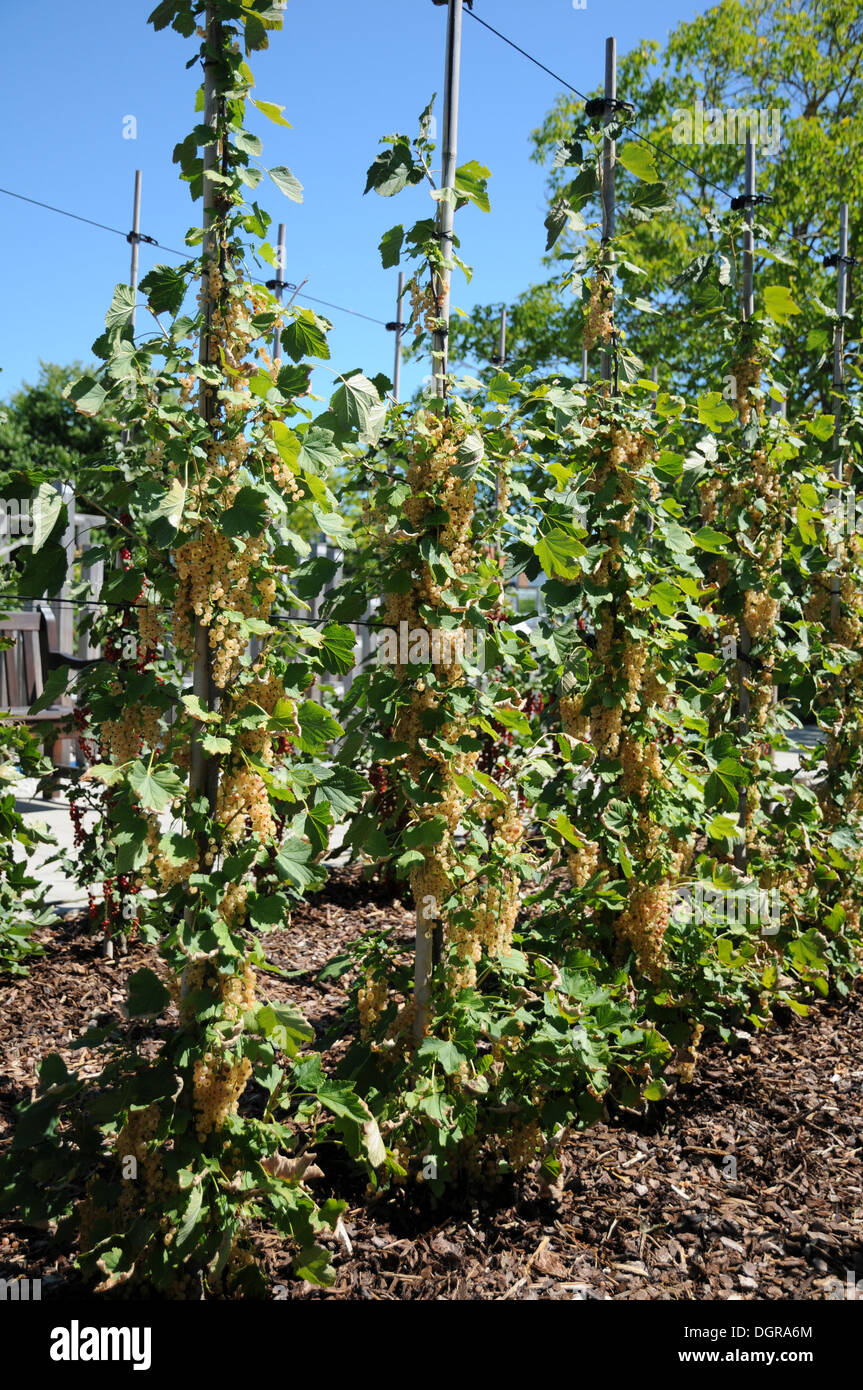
x,y
747,1184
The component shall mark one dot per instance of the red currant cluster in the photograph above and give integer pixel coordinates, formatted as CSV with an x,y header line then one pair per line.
x,y
384,790
110,907
491,756
78,833
494,616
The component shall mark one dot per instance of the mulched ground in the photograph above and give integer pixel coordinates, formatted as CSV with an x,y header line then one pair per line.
x,y
748,1184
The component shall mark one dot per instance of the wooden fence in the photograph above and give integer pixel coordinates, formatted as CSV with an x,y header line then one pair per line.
x,y
81,592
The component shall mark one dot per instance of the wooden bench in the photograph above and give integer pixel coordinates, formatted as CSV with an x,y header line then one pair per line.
x,y
26,664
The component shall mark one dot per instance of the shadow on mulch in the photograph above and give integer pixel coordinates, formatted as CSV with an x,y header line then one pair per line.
x,y
747,1184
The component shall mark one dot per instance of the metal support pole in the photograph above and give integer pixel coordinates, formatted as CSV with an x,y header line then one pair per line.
x,y
446,210
609,214
501,341
203,771
654,376
397,364
281,259
134,238
584,365
748,239
743,637
66,640
429,930
839,381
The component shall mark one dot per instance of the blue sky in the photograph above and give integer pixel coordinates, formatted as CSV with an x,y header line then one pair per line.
x,y
346,73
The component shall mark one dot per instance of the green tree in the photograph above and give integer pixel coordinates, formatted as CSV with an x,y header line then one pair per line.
x,y
43,437
802,61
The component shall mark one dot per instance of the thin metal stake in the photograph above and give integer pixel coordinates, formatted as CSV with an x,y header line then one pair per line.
x,y
204,770
446,210
429,930
134,239
839,381
745,641
281,261
397,365
609,213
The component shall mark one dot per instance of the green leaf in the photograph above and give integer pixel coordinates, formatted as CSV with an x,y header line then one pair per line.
x,y
165,289
556,552
713,541
447,1054
779,303
294,863
334,526
287,183
357,406
318,450
46,508
655,1090
304,337
314,1263
45,572
246,142
722,827
285,1026
821,427
177,848
55,686
565,828
393,170
217,746
424,832
197,709
390,247
147,994
122,303
268,910
168,507
471,182
341,1099
187,1228
155,788
342,789
639,159
624,860
87,395
247,516
713,411
337,648
272,111
318,728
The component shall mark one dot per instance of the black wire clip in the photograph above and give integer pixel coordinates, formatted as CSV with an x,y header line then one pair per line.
x,y
393,327
597,106
279,285
750,200
133,237
835,259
